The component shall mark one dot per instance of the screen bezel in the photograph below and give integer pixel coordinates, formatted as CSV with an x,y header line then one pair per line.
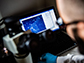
x,y
39,11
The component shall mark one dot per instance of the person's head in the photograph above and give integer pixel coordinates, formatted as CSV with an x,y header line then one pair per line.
x,y
72,11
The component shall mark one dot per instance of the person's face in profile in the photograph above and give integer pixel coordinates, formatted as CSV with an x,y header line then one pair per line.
x,y
73,11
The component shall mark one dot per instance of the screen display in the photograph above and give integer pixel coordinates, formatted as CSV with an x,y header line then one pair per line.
x,y
40,22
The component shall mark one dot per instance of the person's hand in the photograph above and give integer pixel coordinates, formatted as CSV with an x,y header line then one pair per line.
x,y
48,58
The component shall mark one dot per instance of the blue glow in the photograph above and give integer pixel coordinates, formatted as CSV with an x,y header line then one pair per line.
x,y
35,24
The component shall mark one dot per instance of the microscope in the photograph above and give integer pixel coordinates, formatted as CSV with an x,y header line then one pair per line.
x,y
6,56
19,43
27,47
10,31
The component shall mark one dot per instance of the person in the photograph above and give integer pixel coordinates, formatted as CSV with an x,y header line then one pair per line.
x,y
72,14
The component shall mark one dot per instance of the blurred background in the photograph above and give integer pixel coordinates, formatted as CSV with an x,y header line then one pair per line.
x,y
20,7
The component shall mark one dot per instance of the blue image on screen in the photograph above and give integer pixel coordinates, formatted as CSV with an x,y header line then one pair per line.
x,y
35,24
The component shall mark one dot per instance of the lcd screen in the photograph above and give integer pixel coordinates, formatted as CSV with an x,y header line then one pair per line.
x,y
40,22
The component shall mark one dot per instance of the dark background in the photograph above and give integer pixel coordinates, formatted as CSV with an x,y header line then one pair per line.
x,y
20,7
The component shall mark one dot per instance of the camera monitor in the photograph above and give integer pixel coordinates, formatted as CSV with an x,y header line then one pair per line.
x,y
40,21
